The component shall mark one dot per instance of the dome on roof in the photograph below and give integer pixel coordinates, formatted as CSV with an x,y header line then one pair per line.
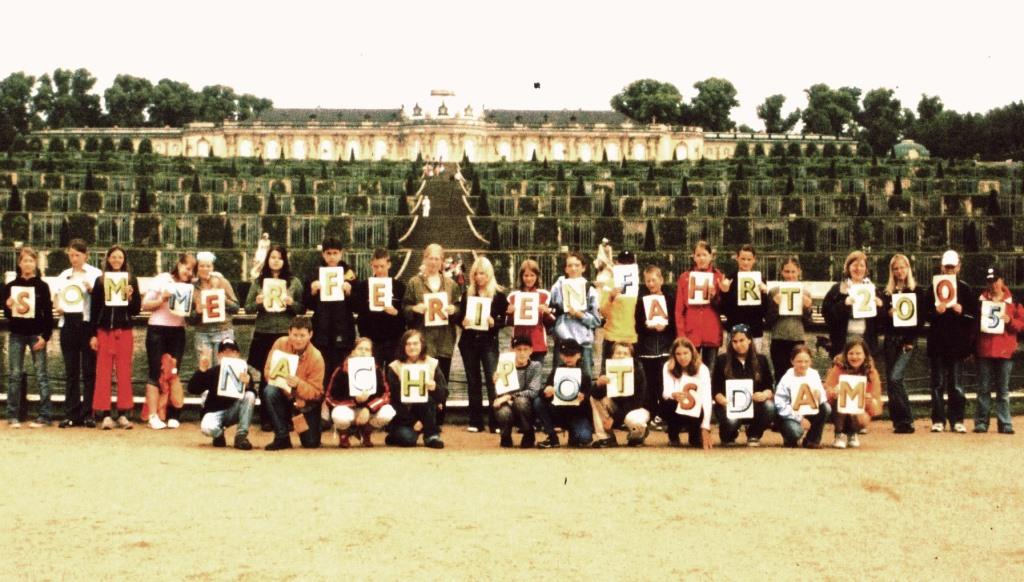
x,y
445,104
911,150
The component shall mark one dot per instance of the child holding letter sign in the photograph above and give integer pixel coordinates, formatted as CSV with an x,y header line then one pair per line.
x,y
29,309
115,301
357,397
618,304
800,395
300,401
788,314
742,362
745,296
656,330
479,348
165,334
686,392
573,414
853,384
516,407
272,325
72,304
995,354
847,305
328,294
413,418
221,411
529,311
901,302
697,305
951,309
574,302
215,300
379,314
613,403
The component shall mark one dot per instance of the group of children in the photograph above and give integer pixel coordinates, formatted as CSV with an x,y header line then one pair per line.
x,y
377,354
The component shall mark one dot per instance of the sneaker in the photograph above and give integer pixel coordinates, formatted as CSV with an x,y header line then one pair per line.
x,y
938,427
853,441
13,423
367,434
605,443
220,442
753,442
173,423
124,423
506,441
673,441
863,430
1006,430
343,442
904,429
811,444
68,423
242,443
279,445
840,442
156,424
960,428
108,423
549,443
980,428
472,428
89,422
658,424
579,444
39,424
434,442
529,441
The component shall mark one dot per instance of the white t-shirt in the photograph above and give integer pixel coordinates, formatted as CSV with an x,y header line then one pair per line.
x,y
88,275
789,387
702,380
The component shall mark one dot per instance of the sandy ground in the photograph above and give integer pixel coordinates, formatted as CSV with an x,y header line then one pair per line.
x,y
83,504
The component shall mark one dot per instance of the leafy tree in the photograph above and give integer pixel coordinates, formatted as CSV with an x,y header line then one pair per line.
x,y
90,181
580,188
897,185
127,100
649,101
604,156
272,205
126,145
323,171
830,111
107,144
474,188
483,207
608,210
650,173
16,111
560,174
217,103
829,150
771,113
228,238
74,145
790,184
197,187
64,237
303,187
759,150
14,200
811,150
174,104
845,150
864,150
882,119
249,107
650,240
92,144
64,100
793,150
56,146
928,108
403,206
145,146
143,206
742,150
778,150
711,107
685,190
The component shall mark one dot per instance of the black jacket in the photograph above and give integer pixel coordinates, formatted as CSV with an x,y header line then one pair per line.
x,y
207,381
104,317
837,317
650,342
333,324
42,323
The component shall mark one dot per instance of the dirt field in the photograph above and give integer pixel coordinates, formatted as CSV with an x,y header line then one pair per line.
x,y
82,504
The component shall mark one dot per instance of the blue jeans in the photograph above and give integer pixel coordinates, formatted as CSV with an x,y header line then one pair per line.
x,y
896,361
240,413
792,430
15,363
473,358
947,376
280,408
574,418
729,428
993,373
212,339
707,357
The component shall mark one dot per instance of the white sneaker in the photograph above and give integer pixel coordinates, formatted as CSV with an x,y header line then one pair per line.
x,y
472,428
938,427
124,423
840,442
155,423
854,442
13,424
108,423
753,442
863,430
173,423
960,428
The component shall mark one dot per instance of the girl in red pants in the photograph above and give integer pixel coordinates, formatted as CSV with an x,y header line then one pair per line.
x,y
113,337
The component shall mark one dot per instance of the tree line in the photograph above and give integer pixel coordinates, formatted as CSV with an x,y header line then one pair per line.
x,y
876,118
67,98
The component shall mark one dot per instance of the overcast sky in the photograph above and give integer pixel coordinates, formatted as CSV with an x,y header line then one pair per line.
x,y
382,54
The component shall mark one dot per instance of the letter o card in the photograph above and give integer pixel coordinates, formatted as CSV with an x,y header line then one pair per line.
x,y
71,298
627,279
380,292
332,283
362,376
699,291
507,378
791,298
852,392
574,294
527,308
24,302
748,290
115,289
414,384
229,382
944,289
740,397
863,295
655,310
567,382
992,317
904,309
212,305
274,292
621,376
436,314
478,311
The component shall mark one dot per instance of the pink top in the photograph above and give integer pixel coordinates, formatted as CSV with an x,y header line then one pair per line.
x,y
162,316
